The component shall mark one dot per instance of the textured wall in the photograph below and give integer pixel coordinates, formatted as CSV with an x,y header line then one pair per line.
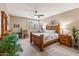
x,y
19,20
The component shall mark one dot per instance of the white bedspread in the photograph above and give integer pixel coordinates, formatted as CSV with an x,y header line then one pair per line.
x,y
48,36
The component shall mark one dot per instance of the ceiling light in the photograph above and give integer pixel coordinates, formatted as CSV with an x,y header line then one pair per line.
x,y
36,17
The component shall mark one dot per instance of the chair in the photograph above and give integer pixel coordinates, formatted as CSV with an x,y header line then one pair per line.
x,y
24,34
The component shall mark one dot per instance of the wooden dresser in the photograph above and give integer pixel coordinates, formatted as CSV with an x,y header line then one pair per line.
x,y
66,40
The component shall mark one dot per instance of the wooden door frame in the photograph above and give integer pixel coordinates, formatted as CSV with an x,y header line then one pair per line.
x,y
3,19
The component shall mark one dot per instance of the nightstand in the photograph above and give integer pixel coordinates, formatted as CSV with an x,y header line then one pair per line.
x,y
65,40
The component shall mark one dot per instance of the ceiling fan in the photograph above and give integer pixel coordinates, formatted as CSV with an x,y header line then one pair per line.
x,y
38,15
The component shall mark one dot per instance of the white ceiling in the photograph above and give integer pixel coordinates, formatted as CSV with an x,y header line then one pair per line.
x,y
47,9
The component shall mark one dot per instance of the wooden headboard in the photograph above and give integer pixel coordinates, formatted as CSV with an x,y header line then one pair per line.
x,y
53,27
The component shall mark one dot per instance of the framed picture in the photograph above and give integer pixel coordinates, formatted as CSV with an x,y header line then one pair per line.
x,y
16,25
53,22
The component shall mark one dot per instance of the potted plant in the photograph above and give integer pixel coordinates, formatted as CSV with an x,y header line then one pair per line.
x,y
9,45
75,33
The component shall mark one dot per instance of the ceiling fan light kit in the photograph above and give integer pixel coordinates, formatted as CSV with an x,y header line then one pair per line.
x,y
36,15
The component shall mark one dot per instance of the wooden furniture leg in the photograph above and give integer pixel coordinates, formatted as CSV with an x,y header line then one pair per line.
x,y
30,37
41,43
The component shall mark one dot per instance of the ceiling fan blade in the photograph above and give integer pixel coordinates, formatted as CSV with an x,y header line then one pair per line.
x,y
41,15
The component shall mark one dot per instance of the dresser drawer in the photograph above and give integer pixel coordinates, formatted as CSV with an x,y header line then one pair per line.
x,y
66,40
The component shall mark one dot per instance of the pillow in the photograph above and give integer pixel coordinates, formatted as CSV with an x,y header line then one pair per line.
x,y
50,31
53,31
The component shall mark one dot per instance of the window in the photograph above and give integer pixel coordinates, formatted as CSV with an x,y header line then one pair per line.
x,y
34,25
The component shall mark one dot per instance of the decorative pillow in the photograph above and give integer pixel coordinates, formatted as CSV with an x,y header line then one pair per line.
x,y
50,31
53,31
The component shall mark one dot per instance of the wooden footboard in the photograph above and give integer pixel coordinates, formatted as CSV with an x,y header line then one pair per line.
x,y
38,40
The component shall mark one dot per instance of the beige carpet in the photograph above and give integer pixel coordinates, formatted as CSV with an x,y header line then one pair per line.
x,y
52,50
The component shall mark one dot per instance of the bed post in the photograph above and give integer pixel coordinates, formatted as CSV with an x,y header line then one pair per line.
x,y
30,37
41,43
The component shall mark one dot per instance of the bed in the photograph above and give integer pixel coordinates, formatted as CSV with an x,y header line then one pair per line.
x,y
44,39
